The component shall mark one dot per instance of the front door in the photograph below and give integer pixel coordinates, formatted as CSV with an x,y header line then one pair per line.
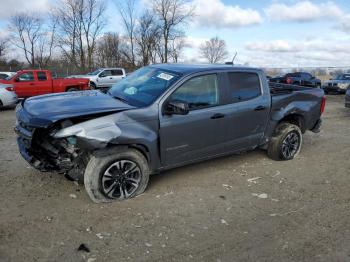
x,y
25,85
199,134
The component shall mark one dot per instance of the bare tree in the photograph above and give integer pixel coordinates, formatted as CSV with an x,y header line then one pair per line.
x,y
26,31
214,50
126,10
148,34
46,44
3,46
176,47
80,23
172,15
108,52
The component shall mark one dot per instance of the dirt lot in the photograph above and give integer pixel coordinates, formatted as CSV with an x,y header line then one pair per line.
x,y
296,210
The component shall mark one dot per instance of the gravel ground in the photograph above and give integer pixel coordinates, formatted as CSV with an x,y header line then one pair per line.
x,y
292,211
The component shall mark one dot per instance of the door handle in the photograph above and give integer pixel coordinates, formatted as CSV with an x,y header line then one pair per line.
x,y
31,84
260,108
217,116
111,78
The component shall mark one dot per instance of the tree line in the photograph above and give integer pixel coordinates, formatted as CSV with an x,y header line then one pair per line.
x,y
73,34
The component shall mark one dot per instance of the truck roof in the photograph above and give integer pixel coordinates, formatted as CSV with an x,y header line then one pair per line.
x,y
33,70
196,68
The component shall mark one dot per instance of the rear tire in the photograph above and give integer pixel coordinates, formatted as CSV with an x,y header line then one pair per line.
x,y
116,174
1,104
285,143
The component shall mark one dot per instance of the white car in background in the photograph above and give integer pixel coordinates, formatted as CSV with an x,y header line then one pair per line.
x,y
8,96
103,77
4,75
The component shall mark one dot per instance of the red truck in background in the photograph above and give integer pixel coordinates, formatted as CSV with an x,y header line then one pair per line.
x,y
27,83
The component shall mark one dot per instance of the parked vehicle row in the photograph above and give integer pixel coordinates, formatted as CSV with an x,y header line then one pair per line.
x,y
298,78
161,117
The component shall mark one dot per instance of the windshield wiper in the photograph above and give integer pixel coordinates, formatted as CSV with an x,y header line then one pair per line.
x,y
119,98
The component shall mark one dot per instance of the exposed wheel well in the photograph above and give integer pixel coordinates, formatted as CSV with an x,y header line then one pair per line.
x,y
295,119
141,148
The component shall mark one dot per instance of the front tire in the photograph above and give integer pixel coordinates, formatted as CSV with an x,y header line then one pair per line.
x,y
285,143
116,174
92,85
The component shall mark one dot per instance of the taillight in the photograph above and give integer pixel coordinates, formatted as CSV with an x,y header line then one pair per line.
x,y
323,105
289,80
10,89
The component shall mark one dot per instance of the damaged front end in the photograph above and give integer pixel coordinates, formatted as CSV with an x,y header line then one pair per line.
x,y
65,146
47,153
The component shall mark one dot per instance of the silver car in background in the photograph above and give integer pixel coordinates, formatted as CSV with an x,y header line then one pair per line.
x,y
8,96
4,75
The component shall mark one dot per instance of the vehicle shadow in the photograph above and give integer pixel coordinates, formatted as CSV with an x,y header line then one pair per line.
x,y
206,166
7,108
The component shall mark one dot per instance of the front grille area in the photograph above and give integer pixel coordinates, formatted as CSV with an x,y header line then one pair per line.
x,y
332,84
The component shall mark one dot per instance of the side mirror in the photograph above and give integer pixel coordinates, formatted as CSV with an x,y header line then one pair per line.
x,y
176,108
102,75
16,79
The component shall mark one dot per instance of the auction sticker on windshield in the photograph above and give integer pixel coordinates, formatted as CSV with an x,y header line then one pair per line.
x,y
165,76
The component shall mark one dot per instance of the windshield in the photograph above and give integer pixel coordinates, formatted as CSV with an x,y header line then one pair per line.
x,y
96,72
144,86
343,77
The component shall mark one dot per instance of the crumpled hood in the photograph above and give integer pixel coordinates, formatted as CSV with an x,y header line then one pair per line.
x,y
54,107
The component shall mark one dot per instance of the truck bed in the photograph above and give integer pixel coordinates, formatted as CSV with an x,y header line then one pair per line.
x,y
295,100
279,88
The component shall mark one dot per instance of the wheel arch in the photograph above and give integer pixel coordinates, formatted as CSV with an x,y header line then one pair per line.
x,y
141,148
295,119
71,87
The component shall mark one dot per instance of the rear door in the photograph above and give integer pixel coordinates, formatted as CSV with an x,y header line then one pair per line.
x,y
25,85
43,83
117,75
105,78
247,110
199,134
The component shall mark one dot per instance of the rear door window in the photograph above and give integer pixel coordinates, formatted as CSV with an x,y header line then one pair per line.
x,y
42,76
117,72
244,86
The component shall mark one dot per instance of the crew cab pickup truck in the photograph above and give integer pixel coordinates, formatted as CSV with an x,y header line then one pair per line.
x,y
161,117
298,78
27,83
103,77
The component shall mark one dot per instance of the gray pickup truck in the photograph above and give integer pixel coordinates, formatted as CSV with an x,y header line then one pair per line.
x,y
161,117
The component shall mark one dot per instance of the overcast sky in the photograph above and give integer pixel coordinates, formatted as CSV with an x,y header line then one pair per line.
x,y
274,33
